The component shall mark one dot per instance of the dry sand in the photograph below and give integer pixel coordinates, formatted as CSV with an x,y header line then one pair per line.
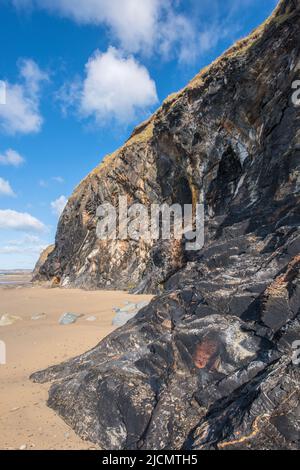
x,y
25,420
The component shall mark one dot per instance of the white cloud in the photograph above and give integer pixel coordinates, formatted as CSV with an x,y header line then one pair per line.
x,y
28,244
178,37
26,250
5,188
115,88
11,157
32,75
58,179
21,252
43,184
58,205
46,183
10,219
26,239
137,25
132,22
172,28
21,113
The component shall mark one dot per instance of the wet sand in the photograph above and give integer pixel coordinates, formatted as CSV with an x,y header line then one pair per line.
x,y
25,420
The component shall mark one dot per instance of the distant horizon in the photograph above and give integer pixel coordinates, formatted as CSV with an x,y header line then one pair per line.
x,y
15,270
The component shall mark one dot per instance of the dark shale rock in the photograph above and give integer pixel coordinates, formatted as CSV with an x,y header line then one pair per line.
x,y
41,261
208,364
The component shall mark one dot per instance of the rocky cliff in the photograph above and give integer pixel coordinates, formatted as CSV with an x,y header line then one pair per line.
x,y
41,261
210,363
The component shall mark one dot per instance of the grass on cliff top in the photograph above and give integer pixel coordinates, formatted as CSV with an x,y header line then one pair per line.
x,y
241,46
237,49
141,134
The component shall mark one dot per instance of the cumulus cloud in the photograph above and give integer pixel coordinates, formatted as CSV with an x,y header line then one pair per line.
x,y
28,244
137,25
58,205
43,184
171,28
46,183
132,22
115,87
147,26
22,252
177,37
13,220
11,157
5,188
21,114
58,179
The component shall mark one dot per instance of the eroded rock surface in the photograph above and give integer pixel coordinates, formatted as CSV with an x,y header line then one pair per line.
x,y
41,261
209,364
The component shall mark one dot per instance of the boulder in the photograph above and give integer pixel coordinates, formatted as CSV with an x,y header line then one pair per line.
x,y
7,320
69,318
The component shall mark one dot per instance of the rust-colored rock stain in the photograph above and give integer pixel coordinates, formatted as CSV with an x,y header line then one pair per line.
x,y
206,354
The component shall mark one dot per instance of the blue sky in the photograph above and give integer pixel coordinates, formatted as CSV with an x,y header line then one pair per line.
x,y
79,75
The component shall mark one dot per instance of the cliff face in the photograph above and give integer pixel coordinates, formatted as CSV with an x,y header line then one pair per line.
x,y
215,139
209,363
41,261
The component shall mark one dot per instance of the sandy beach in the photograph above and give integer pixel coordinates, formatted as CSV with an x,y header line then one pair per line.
x,y
25,420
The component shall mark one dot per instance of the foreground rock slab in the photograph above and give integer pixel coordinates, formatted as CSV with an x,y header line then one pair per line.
x,y
124,314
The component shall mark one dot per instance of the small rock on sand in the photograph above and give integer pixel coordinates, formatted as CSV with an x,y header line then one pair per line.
x,y
38,316
69,318
13,410
92,318
7,320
